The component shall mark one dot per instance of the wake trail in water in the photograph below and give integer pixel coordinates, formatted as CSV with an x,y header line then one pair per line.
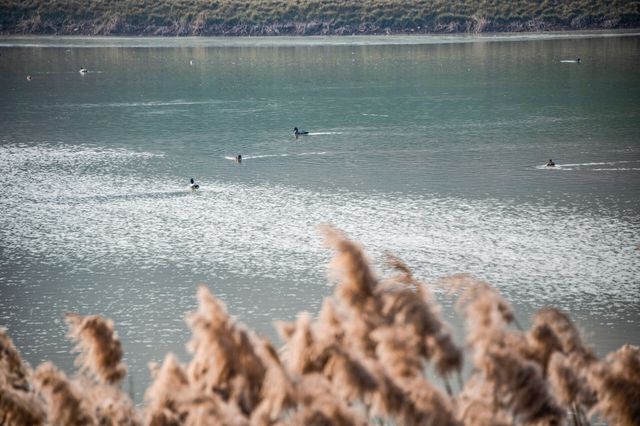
x,y
589,166
323,133
253,157
177,102
613,169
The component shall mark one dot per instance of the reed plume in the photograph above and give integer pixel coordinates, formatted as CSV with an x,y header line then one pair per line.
x,y
13,370
19,405
565,382
349,377
319,406
500,356
278,392
541,343
484,309
224,357
65,405
100,351
412,304
210,409
617,384
109,405
303,353
329,326
307,352
392,324
19,408
477,406
162,397
567,333
521,388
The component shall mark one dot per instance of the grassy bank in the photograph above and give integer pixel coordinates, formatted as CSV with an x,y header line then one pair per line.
x,y
307,17
364,360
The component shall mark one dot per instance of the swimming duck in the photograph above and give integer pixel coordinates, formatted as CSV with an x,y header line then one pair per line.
x,y
297,132
83,70
193,185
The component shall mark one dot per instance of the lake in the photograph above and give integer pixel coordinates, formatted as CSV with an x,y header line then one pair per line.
x,y
432,148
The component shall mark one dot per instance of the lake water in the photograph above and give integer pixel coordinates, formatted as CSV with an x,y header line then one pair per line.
x,y
430,147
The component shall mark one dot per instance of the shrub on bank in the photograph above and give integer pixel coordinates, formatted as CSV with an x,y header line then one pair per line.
x,y
260,17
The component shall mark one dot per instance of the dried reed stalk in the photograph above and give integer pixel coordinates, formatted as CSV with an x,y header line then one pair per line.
x,y
476,404
567,333
363,359
224,361
278,392
13,369
18,407
65,404
100,351
109,405
617,383
319,406
162,396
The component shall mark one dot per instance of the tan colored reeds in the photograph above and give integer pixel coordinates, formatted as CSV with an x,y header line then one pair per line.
x,y
12,368
319,406
278,391
19,405
65,404
100,351
224,361
366,358
617,384
567,333
163,396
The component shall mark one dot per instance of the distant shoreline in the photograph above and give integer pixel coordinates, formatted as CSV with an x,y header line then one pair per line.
x,y
310,17
52,40
76,41
411,38
85,29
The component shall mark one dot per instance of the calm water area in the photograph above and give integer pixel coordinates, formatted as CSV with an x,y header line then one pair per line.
x,y
432,148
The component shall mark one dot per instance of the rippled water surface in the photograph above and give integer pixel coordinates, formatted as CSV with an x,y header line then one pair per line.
x,y
431,148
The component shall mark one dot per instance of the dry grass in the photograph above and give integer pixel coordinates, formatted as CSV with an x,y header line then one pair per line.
x,y
273,17
365,359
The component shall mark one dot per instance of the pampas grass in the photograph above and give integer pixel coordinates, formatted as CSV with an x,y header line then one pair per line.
x,y
65,405
378,352
99,347
616,381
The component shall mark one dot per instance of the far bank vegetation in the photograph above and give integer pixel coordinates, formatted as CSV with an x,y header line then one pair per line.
x,y
379,352
310,17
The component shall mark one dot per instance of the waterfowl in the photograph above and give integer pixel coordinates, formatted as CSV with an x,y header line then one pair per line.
x,y
297,132
193,185
83,70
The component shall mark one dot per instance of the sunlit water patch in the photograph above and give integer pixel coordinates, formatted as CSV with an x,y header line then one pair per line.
x,y
63,205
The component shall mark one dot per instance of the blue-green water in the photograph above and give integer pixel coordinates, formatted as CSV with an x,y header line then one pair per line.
x,y
432,148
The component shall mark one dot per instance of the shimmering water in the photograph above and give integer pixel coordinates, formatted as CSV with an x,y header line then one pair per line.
x,y
432,148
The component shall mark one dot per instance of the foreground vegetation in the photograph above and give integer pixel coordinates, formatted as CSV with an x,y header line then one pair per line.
x,y
273,17
365,359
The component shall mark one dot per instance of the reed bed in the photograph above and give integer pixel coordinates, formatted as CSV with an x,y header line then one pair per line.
x,y
379,352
